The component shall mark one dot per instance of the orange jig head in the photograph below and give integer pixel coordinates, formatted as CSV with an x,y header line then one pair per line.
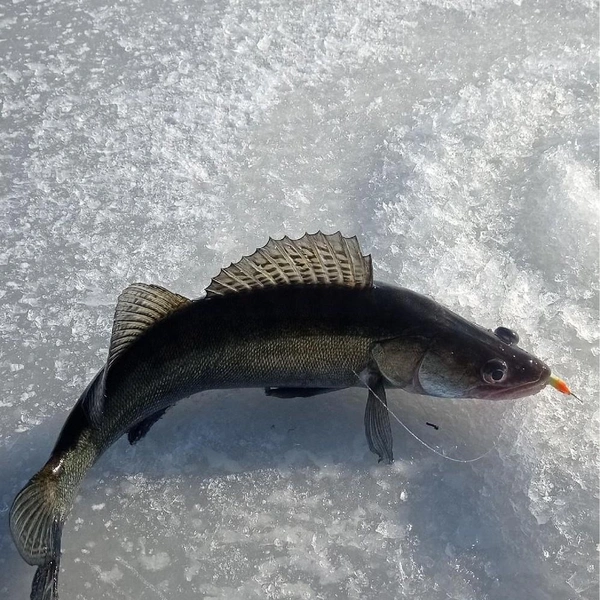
x,y
561,386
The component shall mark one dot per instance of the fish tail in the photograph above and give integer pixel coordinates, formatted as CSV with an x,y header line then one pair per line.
x,y
36,521
45,580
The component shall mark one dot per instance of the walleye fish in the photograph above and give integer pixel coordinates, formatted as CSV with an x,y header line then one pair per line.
x,y
297,317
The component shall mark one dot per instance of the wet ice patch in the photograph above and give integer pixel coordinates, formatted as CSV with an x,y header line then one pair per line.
x,y
112,576
155,562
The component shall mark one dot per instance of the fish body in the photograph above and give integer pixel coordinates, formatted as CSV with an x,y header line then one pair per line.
x,y
298,317
278,338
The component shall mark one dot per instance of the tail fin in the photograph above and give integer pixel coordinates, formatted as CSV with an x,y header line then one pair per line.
x,y
35,518
45,581
36,521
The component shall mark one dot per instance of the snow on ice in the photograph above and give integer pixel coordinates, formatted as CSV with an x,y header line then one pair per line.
x,y
158,141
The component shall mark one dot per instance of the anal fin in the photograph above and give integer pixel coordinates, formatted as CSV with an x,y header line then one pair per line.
x,y
297,392
377,421
137,432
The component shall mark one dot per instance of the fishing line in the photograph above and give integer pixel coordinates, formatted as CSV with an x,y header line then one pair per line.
x,y
458,460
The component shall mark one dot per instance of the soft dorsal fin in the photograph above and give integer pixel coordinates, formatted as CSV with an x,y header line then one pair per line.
x,y
314,259
139,306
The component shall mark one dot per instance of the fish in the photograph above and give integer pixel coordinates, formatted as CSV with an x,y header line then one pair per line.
x,y
298,318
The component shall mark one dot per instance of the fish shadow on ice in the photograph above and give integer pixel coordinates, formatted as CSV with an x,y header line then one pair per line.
x,y
465,516
212,434
219,433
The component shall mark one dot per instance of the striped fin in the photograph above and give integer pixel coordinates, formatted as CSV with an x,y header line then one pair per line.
x,y
314,259
36,519
139,306
36,522
377,422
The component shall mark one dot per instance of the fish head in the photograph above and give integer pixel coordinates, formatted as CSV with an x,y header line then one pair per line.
x,y
473,362
462,361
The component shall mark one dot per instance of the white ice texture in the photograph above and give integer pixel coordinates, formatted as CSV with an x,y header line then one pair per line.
x,y
157,141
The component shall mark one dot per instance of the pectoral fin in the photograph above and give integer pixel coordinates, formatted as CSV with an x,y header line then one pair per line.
x,y
297,392
377,421
137,432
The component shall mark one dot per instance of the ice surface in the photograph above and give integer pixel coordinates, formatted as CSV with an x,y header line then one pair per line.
x,y
158,141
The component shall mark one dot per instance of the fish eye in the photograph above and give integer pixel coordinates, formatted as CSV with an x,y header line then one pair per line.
x,y
508,336
494,371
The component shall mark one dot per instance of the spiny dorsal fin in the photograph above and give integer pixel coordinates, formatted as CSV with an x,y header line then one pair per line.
x,y
139,306
314,259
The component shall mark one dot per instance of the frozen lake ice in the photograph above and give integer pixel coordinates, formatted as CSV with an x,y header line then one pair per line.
x,y
158,141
